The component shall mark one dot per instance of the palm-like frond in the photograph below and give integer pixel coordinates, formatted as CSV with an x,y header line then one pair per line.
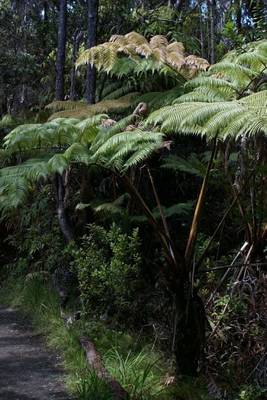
x,y
233,77
126,149
179,211
155,100
57,133
66,141
134,54
194,164
16,181
223,119
108,207
12,194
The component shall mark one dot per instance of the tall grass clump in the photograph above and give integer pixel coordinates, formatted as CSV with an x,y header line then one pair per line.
x,y
139,373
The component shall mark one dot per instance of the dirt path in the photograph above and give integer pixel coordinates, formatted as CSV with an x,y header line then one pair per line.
x,y
28,371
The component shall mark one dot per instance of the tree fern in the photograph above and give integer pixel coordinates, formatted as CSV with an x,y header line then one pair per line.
x,y
194,164
179,211
105,106
134,54
126,149
233,77
223,119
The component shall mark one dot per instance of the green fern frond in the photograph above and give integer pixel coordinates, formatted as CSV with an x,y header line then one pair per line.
x,y
142,152
210,81
121,91
179,211
231,78
193,165
110,87
12,195
160,99
230,118
77,153
238,72
32,170
7,121
106,208
132,53
126,149
207,94
58,163
57,133
127,138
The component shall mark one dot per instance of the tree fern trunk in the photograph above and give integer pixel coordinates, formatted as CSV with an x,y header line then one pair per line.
x,y
91,41
189,331
61,51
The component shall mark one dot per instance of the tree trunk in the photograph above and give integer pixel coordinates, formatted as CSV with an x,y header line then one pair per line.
x,y
91,41
61,51
201,26
61,209
76,44
189,331
212,12
45,11
238,15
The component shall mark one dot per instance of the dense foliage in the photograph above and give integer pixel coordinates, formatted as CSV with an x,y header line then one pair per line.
x,y
136,184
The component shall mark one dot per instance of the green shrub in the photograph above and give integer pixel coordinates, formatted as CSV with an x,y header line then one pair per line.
x,y
108,268
35,232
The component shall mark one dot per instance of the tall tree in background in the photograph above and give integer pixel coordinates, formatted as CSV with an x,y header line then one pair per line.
x,y
212,16
91,41
61,51
77,38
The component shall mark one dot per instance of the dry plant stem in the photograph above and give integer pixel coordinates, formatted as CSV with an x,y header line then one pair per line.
x,y
253,210
198,210
227,212
233,266
241,209
226,274
152,221
232,291
163,218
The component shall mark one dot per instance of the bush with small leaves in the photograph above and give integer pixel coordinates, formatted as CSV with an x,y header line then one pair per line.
x,y
108,267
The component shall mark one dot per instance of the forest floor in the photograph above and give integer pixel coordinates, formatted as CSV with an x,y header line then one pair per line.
x,y
28,370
